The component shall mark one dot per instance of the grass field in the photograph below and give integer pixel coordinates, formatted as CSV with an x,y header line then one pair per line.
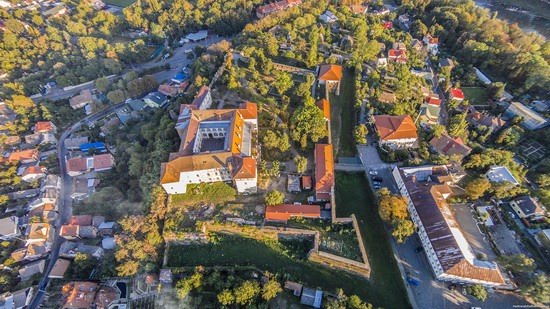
x,y
476,95
342,114
354,196
216,192
121,3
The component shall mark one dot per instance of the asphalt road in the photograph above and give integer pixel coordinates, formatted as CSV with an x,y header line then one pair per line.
x,y
65,201
443,115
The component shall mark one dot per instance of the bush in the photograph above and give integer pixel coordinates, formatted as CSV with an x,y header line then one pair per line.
x,y
477,291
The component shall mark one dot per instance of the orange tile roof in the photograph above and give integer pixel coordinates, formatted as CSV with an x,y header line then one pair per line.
x,y
249,110
464,269
324,171
330,72
79,294
395,127
284,212
306,181
449,146
28,154
34,170
69,231
77,164
103,161
44,126
171,170
324,106
244,167
84,220
433,101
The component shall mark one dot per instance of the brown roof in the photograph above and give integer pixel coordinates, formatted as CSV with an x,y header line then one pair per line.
x,y
249,110
44,126
465,269
79,294
201,95
34,170
103,161
358,8
395,127
59,268
80,220
330,72
77,164
245,167
324,106
387,97
28,154
85,96
324,171
105,296
284,212
39,231
449,146
69,231
306,181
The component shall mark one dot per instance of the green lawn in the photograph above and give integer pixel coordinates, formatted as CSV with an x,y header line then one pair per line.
x,y
216,192
342,114
272,256
476,95
354,196
121,3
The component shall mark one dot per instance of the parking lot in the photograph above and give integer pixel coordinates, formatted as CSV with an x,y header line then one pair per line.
x,y
479,243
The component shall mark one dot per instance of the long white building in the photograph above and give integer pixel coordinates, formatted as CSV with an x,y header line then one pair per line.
x,y
216,145
448,252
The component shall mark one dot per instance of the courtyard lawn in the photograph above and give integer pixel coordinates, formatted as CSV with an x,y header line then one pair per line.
x,y
476,95
121,3
216,192
342,115
272,256
354,196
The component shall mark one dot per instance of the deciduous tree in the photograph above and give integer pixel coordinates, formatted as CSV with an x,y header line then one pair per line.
x,y
477,187
274,198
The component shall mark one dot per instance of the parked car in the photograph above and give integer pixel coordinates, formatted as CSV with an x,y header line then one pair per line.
x,y
373,173
377,178
419,249
413,280
376,187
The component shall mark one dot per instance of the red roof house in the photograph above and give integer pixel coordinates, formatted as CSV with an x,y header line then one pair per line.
x,y
284,212
456,94
330,75
324,106
396,131
324,171
44,127
397,55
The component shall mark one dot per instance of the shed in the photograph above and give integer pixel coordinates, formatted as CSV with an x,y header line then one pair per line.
x,y
306,182
311,297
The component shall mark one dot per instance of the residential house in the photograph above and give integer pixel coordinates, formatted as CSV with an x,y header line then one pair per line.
x,y
108,243
328,17
264,10
446,63
55,11
404,22
381,62
83,187
216,145
106,297
330,75
19,299
44,127
197,36
12,140
69,232
396,131
447,250
155,100
528,208
136,105
81,100
28,271
9,228
39,233
33,172
359,9
44,211
33,139
106,228
456,94
388,24
59,269
284,212
99,162
417,45
433,99
429,114
73,143
476,118
24,156
172,90
203,99
311,297
324,106
324,172
48,138
452,147
79,294
432,44
531,120
387,97
77,166
500,174
306,182
397,55
31,252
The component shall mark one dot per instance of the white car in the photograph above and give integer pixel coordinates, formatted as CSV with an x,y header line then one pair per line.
x,y
373,173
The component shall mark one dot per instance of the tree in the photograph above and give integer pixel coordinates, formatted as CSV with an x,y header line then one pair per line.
x,y
226,297
82,266
518,263
477,187
391,207
246,292
402,229
274,198
307,124
186,285
116,96
477,291
102,84
360,133
438,130
282,82
458,125
301,163
278,140
495,90
506,189
538,289
271,289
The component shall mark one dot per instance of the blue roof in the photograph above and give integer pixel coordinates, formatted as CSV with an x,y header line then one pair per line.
x,y
97,146
180,77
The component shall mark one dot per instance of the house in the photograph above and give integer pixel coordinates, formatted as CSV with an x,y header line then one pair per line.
x,y
429,114
82,220
328,17
382,62
417,45
95,251
28,271
528,208
38,233
73,143
359,9
9,228
324,172
69,232
197,36
95,147
103,162
33,172
396,131
24,156
295,287
404,22
79,294
284,212
31,252
306,182
447,250
397,55
59,269
106,296
165,276
19,299
324,106
83,187
48,138
108,243
476,118
45,127
12,140
45,212
330,75
33,139
452,147
136,105
55,11
106,228
76,166
264,10
99,162
311,297
203,99
155,100
172,90
531,120
500,174
81,100
387,97
446,63
432,44
216,145
456,94
388,24
433,99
